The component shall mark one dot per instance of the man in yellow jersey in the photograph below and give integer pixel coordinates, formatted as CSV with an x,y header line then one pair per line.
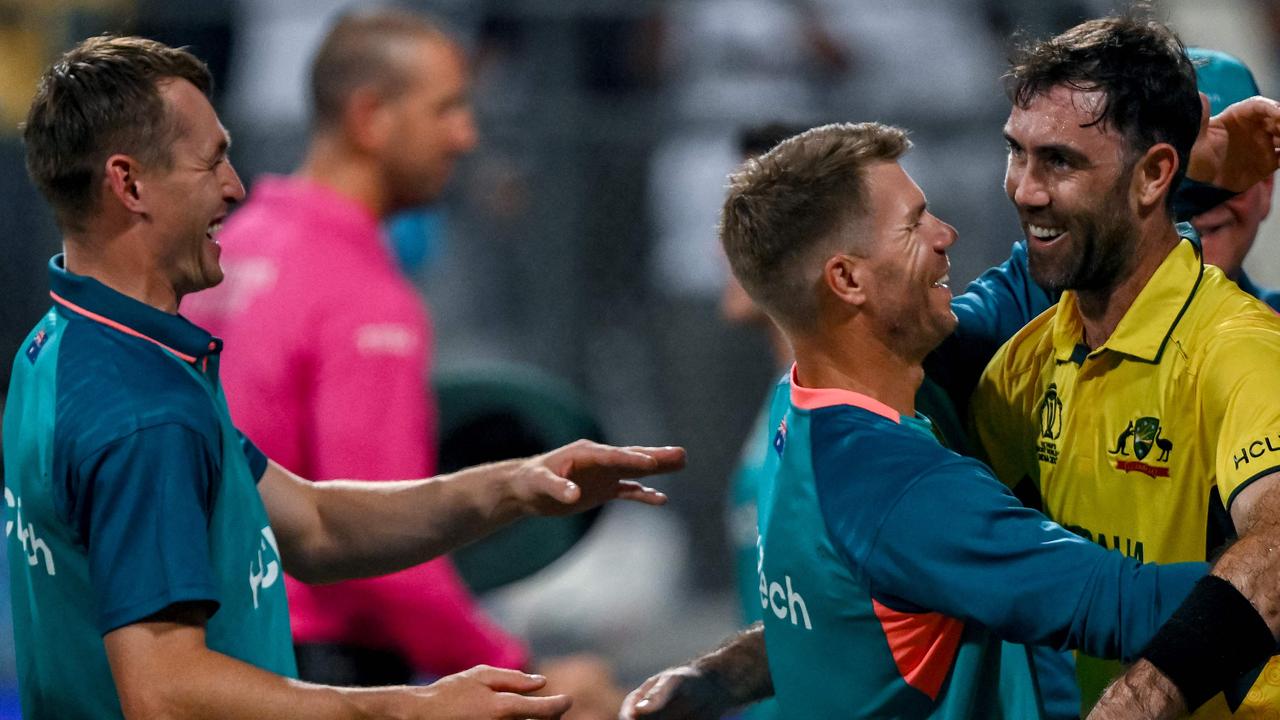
x,y
1141,409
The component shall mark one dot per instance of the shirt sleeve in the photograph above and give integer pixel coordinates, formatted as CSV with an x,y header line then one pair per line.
x,y
1239,386
143,511
992,309
257,460
959,543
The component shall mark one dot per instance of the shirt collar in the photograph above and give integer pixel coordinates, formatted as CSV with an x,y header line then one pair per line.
x,y
817,398
340,216
1145,328
84,296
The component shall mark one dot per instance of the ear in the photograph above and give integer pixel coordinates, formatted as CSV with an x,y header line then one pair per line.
x,y
846,277
367,120
1152,174
123,181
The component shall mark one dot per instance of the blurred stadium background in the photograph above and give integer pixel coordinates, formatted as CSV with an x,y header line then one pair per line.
x,y
579,238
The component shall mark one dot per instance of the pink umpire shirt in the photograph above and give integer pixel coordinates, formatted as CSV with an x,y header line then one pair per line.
x,y
325,368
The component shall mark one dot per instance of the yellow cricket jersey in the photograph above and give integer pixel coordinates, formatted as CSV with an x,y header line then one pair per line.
x,y
1141,445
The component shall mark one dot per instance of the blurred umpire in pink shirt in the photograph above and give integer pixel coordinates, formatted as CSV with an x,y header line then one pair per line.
x,y
328,345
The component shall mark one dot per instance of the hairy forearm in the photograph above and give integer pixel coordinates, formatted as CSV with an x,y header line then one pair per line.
x,y
1252,566
1142,693
206,684
373,528
740,667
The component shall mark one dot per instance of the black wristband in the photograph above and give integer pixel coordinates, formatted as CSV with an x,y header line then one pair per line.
x,y
1214,637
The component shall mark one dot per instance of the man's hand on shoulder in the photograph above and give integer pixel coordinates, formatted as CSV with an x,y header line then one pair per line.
x,y
1237,147
584,474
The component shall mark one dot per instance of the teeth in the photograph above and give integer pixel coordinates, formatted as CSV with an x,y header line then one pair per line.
x,y
1040,231
942,282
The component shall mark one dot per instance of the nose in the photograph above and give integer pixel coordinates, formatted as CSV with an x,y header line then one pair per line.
x,y
949,236
1024,186
465,134
233,189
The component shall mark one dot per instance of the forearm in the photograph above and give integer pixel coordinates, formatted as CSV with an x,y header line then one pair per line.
x,y
1142,693
368,529
206,684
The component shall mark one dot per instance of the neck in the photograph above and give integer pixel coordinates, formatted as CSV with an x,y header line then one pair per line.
x,y
1101,310
865,366
332,163
120,264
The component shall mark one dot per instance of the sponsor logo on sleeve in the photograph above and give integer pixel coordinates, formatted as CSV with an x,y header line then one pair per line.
x,y
1254,450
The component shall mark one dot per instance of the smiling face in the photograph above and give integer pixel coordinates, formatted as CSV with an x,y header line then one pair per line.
x,y
187,201
909,298
1070,181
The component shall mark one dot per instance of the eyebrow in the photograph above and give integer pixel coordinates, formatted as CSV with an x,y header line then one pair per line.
x,y
1066,151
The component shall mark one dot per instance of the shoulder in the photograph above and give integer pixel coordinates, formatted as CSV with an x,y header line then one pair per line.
x,y
1226,319
849,442
111,385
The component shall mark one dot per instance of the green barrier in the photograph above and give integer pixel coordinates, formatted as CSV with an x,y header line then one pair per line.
x,y
505,411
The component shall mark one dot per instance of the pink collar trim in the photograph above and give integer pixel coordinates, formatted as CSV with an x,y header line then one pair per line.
x,y
115,325
815,398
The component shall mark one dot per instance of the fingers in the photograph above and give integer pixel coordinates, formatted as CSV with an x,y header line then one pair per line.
x,y
503,680
521,707
669,458
630,706
634,491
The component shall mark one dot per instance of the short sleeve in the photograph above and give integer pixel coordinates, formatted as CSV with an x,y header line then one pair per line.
x,y
1240,386
143,510
256,459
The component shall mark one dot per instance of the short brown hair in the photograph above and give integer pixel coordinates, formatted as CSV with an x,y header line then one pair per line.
x,y
359,51
100,98
794,200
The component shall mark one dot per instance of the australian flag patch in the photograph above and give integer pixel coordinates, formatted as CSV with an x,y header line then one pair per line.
x,y
37,342
780,437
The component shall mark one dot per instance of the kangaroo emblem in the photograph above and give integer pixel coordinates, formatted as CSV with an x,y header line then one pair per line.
x,y
1165,445
1123,440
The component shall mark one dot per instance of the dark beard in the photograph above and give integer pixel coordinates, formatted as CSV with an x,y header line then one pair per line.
x,y
1105,242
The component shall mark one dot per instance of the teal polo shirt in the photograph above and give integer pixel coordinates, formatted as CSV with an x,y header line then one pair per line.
x,y
128,490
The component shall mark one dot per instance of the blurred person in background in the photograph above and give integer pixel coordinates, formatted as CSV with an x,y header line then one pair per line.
x,y
1228,228
321,325
151,533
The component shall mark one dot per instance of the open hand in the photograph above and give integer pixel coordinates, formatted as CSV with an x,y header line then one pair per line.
x,y
584,474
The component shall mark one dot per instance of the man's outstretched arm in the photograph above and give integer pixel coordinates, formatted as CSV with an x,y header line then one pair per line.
x,y
340,529
735,674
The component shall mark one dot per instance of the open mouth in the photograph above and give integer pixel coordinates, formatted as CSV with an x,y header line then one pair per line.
x,y
1045,233
943,282
212,232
